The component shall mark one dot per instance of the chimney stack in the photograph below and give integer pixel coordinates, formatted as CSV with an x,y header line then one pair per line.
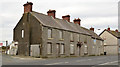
x,y
108,29
92,29
66,17
116,30
51,13
77,21
28,7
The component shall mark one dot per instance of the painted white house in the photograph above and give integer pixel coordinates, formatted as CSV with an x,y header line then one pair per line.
x,y
13,48
111,41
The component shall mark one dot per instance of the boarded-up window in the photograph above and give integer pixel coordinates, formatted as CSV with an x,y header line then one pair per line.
x,y
61,34
71,36
49,48
86,49
71,49
22,33
62,48
78,37
49,33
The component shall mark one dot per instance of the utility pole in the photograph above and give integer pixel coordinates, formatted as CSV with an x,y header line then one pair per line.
x,y
6,46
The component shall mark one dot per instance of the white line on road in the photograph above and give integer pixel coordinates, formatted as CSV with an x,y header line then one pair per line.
x,y
109,63
54,63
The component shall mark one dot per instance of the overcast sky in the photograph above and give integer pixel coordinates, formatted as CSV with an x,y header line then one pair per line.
x,y
93,13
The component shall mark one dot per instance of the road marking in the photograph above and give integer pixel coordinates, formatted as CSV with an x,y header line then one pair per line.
x,y
109,63
54,63
66,62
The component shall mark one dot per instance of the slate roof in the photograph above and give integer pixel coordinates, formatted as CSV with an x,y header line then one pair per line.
x,y
94,35
58,23
114,33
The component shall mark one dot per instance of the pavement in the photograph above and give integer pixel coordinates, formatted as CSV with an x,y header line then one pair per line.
x,y
91,60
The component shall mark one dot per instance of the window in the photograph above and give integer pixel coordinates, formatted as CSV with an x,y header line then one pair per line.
x,y
62,51
71,49
85,50
22,33
49,48
61,34
71,36
49,33
94,41
78,37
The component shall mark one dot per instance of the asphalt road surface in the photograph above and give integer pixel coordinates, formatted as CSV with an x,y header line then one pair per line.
x,y
91,60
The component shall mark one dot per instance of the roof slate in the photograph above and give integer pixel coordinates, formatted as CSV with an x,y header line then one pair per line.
x,y
94,35
116,34
58,23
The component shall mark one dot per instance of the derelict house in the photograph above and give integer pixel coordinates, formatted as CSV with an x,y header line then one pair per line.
x,y
43,35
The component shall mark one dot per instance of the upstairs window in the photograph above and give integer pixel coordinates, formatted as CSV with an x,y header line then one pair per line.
x,y
49,33
78,37
94,41
22,33
61,34
71,36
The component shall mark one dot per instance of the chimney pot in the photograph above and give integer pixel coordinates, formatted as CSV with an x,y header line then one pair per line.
x,y
51,13
66,17
108,29
28,7
92,29
116,30
77,21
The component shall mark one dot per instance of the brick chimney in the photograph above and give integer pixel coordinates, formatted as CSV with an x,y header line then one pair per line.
x,y
51,13
116,30
28,7
92,29
108,29
66,17
77,21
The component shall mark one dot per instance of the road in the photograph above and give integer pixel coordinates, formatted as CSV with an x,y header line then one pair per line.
x,y
91,60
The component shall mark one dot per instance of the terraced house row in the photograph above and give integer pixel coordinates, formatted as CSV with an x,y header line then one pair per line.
x,y
41,35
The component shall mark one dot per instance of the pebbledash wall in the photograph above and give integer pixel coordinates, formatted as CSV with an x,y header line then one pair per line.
x,y
36,33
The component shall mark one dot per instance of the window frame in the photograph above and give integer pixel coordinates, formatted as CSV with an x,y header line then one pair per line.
x,y
60,34
71,36
62,48
49,33
22,33
50,48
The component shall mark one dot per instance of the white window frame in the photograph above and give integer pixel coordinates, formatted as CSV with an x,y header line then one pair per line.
x,y
49,33
62,48
23,32
78,37
49,48
61,34
72,49
71,36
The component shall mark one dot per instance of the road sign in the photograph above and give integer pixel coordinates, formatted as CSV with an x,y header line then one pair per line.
x,y
1,44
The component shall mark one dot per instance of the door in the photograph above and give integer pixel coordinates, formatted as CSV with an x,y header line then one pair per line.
x,y
35,51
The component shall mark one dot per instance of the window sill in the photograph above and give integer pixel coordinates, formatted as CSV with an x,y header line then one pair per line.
x,y
61,39
50,38
62,54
